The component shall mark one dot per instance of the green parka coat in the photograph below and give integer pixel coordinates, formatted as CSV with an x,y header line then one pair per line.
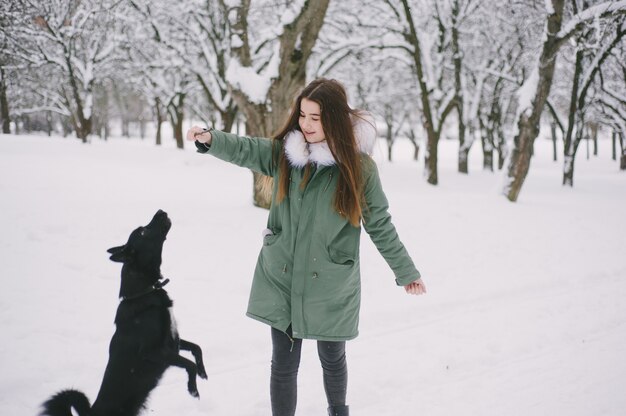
x,y
307,274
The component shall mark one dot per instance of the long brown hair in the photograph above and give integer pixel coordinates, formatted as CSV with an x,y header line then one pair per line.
x,y
336,117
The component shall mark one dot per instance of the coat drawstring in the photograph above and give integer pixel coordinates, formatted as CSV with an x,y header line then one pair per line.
x,y
292,342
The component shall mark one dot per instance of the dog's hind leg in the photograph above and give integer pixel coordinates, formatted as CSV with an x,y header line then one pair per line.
x,y
196,351
191,368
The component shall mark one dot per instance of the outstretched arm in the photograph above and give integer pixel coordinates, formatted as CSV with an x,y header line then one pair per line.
x,y
256,153
377,223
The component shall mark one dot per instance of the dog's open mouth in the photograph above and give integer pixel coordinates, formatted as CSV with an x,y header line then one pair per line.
x,y
160,222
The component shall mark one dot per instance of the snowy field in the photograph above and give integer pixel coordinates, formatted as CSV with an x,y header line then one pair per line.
x,y
525,311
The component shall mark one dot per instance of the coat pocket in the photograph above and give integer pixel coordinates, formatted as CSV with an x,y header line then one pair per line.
x,y
270,239
274,264
341,257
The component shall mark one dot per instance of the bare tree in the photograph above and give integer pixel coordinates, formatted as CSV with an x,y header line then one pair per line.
x,y
460,82
437,107
8,17
534,93
197,32
74,39
4,103
266,68
611,101
158,53
212,57
587,64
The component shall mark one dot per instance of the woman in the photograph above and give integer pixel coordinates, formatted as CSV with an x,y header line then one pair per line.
x,y
306,283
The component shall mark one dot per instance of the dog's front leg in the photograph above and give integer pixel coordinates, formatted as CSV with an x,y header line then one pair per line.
x,y
191,368
196,351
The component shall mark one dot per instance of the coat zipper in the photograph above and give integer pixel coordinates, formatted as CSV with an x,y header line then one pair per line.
x,y
330,179
290,338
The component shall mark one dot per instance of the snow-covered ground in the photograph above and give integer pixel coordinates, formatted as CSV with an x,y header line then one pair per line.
x,y
525,311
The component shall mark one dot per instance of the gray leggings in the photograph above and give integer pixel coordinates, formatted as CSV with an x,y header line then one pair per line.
x,y
285,362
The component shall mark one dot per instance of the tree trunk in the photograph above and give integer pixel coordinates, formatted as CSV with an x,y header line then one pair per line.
x,y
105,116
4,105
528,119
430,163
494,126
614,145
593,128
570,158
123,107
500,142
228,118
261,184
296,44
501,158
227,114
82,124
487,156
49,123
125,127
569,147
568,171
464,147
26,123
416,146
520,157
262,198
159,120
622,143
433,133
389,132
176,112
178,129
85,130
486,138
553,132
463,150
99,127
66,126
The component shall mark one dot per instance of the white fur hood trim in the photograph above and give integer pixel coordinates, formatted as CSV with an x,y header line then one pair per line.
x,y
299,152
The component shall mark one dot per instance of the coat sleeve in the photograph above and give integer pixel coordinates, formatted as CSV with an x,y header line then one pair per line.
x,y
255,153
377,223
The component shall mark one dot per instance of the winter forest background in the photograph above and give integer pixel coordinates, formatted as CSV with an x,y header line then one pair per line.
x,y
480,72
492,101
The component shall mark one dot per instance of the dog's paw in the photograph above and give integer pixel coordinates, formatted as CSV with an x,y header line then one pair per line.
x,y
193,390
202,373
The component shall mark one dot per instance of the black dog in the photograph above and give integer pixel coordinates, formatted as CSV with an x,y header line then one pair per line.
x,y
145,342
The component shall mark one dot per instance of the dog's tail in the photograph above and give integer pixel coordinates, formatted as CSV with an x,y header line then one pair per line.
x,y
61,404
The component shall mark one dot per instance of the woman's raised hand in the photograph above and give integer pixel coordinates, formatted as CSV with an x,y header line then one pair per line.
x,y
200,134
416,288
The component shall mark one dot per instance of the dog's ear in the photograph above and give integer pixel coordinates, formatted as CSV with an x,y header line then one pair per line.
x,y
118,254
